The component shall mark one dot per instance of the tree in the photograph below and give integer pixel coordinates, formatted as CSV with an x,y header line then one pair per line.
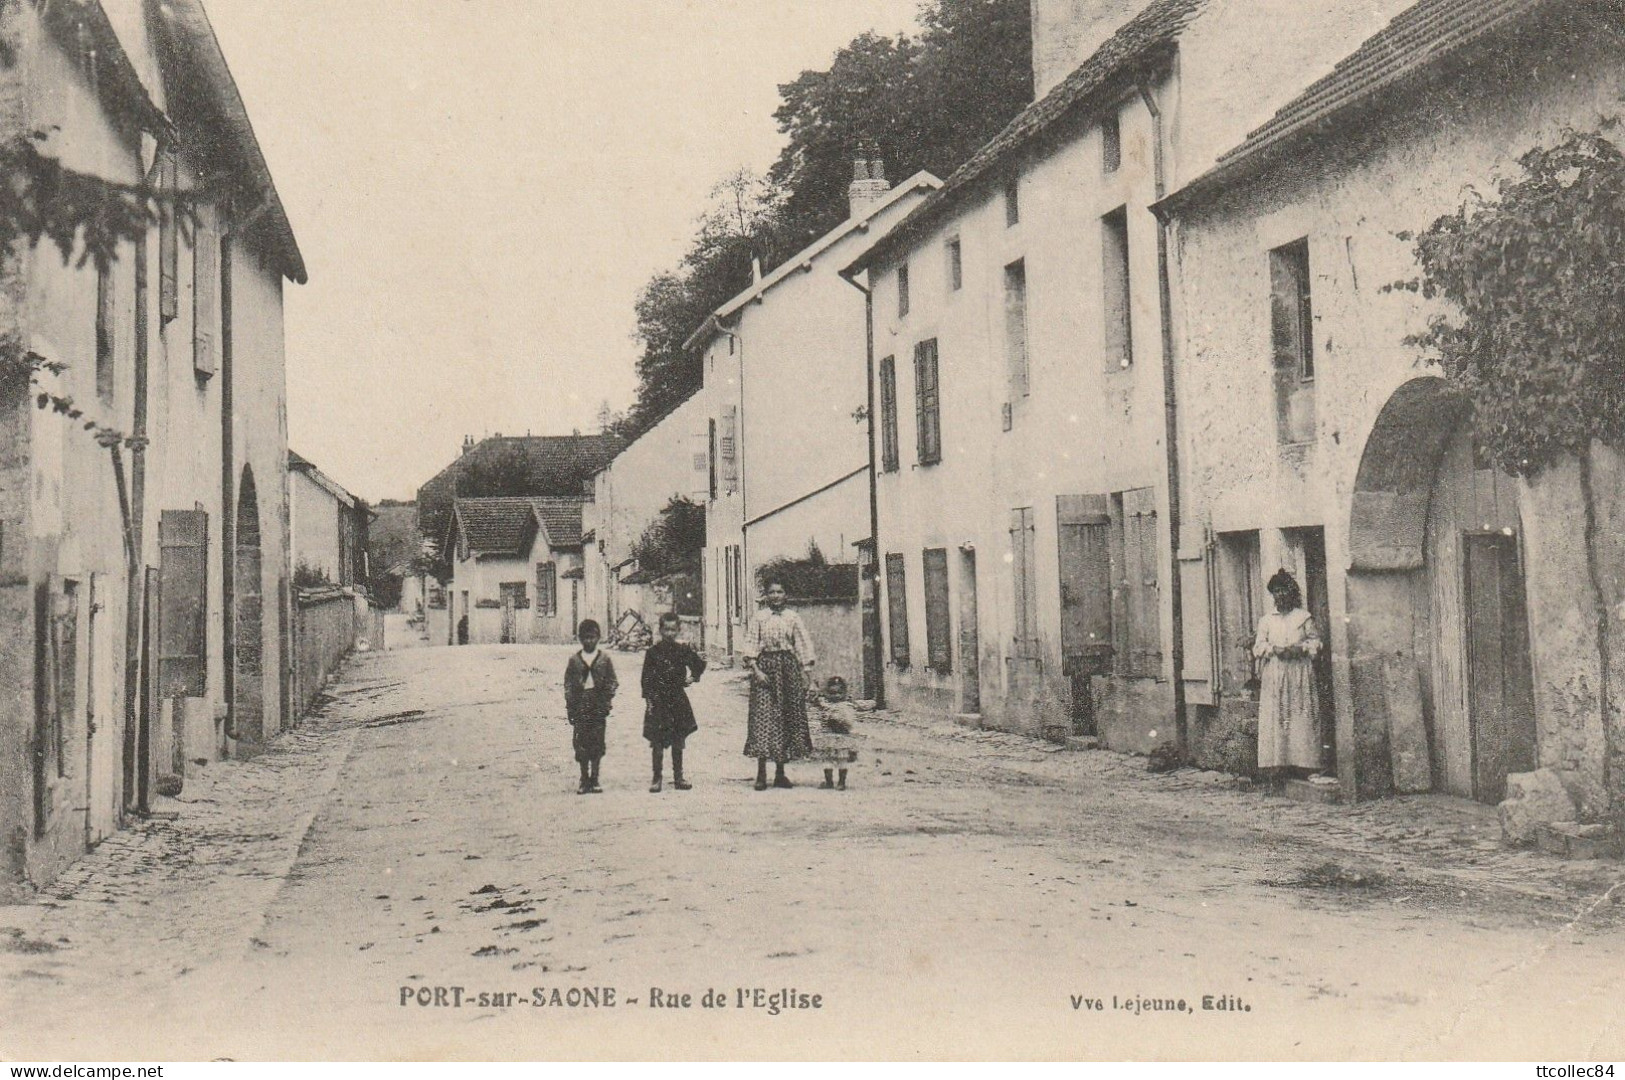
x,y
502,470
674,542
926,102
1535,336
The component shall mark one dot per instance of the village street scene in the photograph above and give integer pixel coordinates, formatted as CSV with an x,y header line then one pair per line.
x,y
1099,535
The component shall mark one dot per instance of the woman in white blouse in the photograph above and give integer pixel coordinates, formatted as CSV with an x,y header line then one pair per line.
x,y
778,653
1288,703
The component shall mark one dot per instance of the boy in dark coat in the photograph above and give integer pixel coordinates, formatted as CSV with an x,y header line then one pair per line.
x,y
668,719
589,689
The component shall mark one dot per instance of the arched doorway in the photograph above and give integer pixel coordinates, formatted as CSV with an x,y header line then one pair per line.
x,y
248,667
1439,657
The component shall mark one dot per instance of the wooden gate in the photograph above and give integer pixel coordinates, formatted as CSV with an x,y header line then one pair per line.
x,y
1500,685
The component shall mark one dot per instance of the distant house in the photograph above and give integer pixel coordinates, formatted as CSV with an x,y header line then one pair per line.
x,y
394,550
515,571
329,527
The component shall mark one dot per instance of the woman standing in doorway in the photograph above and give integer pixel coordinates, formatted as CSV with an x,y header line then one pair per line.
x,y
777,653
1288,700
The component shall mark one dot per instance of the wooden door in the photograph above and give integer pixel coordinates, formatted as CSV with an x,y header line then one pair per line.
x,y
970,638
510,602
869,583
1026,663
1500,684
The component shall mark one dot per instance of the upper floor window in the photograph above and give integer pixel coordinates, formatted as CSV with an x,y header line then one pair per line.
x,y
888,415
105,311
928,403
956,265
1015,327
1116,299
1111,144
1292,337
1012,201
902,290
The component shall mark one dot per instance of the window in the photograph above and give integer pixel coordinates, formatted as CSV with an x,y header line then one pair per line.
x,y
168,233
956,265
938,631
59,688
902,290
514,594
1116,311
897,608
1241,604
711,454
1136,610
1015,327
888,415
1012,201
1023,570
547,589
206,264
728,446
1111,144
1293,342
105,312
736,578
927,403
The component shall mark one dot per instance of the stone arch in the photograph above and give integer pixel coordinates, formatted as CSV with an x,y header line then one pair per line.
x,y
248,614
1388,519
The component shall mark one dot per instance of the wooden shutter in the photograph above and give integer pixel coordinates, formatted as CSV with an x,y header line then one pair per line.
x,y
183,603
1117,298
730,449
547,588
711,451
888,415
1199,629
1137,583
927,403
897,606
1024,584
938,631
168,232
205,294
1084,545
1015,327
106,311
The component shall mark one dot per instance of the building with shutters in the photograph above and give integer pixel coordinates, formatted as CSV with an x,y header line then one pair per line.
x,y
144,594
516,570
1024,435
786,401
1463,634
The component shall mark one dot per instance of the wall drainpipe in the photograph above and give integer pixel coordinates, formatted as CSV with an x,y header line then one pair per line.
x,y
879,689
1170,410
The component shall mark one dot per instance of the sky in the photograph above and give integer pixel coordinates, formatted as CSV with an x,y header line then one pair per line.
x,y
481,187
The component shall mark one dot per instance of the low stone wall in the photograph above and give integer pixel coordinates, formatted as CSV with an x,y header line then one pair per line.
x,y
329,624
836,629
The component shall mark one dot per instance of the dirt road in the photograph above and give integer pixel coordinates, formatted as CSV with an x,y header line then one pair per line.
x,y
354,891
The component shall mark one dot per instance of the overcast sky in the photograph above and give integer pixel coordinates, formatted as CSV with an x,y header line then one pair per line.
x,y
481,186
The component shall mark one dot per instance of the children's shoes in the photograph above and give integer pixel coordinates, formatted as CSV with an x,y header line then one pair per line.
x,y
681,785
654,788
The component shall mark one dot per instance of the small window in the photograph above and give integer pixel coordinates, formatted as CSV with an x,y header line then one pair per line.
x,y
547,589
897,609
888,415
1012,202
1015,328
956,266
105,310
711,454
902,290
1111,144
1241,605
169,251
927,403
1117,298
1292,335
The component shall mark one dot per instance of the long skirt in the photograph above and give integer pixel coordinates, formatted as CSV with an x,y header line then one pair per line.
x,y
777,728
1288,714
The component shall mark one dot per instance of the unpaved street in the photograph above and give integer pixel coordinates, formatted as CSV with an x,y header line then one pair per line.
x,y
423,832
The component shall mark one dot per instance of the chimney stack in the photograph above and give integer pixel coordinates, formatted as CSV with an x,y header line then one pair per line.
x,y
468,443
869,186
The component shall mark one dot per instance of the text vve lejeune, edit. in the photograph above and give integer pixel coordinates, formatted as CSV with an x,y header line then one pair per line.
x,y
771,1001
1138,1004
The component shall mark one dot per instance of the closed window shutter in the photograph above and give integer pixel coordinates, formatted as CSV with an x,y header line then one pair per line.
x,y
897,606
888,415
1084,549
547,589
106,311
938,645
927,403
1024,589
183,539
730,449
205,293
169,233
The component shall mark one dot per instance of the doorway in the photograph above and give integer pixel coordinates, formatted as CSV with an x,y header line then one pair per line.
x,y
970,641
1500,684
1309,544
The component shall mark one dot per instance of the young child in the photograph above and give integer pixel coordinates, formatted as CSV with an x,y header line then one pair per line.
x,y
589,689
668,719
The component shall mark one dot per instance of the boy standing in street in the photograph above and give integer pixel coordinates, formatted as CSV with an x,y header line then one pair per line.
x,y
589,690
668,719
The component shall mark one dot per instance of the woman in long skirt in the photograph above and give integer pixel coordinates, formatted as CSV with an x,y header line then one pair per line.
x,y
777,653
1288,699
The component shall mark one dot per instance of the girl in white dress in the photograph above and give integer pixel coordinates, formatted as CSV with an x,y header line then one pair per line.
x,y
1288,701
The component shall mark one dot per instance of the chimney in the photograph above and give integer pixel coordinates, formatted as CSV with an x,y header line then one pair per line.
x,y
1067,32
468,443
869,186
755,269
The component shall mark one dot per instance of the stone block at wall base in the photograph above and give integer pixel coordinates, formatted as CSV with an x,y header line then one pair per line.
x,y
1533,799
1572,840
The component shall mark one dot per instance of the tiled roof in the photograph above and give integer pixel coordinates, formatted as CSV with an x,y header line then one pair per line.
x,y
556,465
507,526
1415,40
1142,38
